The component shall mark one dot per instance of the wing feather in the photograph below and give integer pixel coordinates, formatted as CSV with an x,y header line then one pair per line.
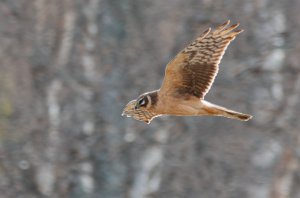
x,y
193,70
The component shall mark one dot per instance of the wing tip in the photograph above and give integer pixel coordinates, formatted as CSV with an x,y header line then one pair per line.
x,y
226,23
224,29
205,33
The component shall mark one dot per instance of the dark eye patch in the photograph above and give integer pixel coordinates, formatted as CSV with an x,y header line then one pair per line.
x,y
143,100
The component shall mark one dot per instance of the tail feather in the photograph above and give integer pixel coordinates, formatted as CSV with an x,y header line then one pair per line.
x,y
236,115
216,110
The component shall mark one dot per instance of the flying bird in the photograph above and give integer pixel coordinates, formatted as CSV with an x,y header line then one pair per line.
x,y
188,78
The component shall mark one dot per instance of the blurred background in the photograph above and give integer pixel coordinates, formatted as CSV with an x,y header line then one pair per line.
x,y
68,67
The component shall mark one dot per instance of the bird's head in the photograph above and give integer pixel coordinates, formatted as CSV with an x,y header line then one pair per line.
x,y
142,107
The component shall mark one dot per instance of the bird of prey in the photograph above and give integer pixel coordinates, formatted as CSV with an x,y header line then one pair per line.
x,y
188,77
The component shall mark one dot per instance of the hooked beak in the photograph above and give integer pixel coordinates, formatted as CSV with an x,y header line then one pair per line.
x,y
129,108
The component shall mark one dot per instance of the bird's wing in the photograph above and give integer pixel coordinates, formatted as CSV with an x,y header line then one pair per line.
x,y
193,70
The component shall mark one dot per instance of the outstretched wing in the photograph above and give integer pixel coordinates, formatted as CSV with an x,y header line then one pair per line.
x,y
193,70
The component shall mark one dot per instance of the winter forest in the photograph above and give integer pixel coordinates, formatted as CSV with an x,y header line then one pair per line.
x,y
68,68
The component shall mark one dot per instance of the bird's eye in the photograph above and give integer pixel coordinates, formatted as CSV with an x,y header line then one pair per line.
x,y
142,102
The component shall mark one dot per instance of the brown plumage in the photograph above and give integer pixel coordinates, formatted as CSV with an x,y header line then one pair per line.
x,y
188,77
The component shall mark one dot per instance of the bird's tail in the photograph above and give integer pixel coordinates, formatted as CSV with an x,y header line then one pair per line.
x,y
236,115
216,110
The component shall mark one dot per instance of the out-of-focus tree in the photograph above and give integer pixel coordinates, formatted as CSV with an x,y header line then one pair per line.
x,y
67,68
